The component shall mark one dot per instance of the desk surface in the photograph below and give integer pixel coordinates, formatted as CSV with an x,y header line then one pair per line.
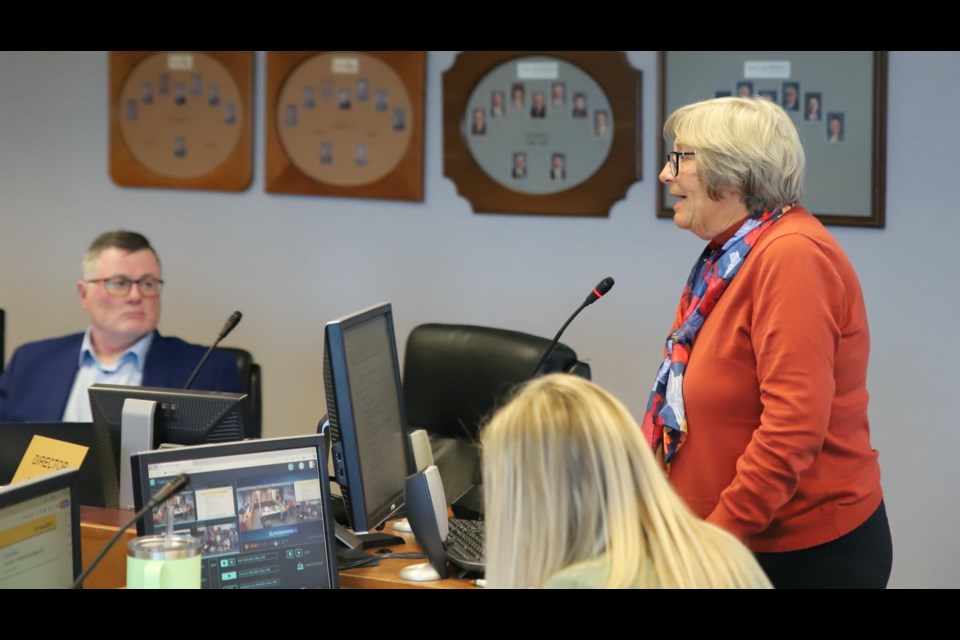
x,y
98,525
387,574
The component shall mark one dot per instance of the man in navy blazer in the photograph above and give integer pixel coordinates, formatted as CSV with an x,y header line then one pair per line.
x,y
120,290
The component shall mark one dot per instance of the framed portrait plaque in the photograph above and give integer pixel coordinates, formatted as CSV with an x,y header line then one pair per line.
x,y
346,123
836,99
548,132
181,119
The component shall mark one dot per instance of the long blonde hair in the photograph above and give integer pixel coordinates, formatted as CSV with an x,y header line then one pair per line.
x,y
568,479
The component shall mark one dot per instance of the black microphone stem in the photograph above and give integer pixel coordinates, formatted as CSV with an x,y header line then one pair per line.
x,y
232,322
598,292
202,360
556,338
162,496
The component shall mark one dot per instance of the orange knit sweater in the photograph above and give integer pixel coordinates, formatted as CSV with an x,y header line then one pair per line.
x,y
778,451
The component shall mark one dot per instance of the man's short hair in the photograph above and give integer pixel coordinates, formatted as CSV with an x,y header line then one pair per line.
x,y
129,241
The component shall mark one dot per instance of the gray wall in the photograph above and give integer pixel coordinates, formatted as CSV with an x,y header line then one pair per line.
x,y
292,263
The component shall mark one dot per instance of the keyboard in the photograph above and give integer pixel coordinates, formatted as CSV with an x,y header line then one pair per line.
x,y
465,544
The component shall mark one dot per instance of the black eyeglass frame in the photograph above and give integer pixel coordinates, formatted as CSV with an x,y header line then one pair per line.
x,y
673,158
120,285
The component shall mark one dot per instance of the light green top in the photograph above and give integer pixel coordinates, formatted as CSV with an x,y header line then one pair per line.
x,y
591,574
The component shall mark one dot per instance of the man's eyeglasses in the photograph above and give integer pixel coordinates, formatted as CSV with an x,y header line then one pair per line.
x,y
673,159
120,286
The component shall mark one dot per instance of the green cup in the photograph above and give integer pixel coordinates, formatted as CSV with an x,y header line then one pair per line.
x,y
153,562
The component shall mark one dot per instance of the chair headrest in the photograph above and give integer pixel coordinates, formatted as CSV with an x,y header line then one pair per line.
x,y
455,375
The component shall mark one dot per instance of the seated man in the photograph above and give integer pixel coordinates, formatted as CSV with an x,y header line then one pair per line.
x,y
120,290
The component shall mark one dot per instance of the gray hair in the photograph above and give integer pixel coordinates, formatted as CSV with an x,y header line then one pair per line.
x,y
746,145
129,241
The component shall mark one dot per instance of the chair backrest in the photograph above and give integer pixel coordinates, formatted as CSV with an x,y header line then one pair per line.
x,y
3,351
250,378
454,375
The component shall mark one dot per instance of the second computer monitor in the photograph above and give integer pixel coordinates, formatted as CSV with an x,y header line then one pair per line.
x,y
162,416
259,507
184,417
371,452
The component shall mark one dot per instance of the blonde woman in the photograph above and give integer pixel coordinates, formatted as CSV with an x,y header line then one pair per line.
x,y
574,498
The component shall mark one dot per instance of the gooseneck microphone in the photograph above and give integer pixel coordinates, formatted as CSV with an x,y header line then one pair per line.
x,y
165,493
598,292
228,326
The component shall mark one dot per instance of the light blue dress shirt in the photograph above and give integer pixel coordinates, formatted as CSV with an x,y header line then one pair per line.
x,y
127,370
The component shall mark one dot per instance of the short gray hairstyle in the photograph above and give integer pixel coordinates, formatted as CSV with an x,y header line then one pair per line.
x,y
747,145
129,241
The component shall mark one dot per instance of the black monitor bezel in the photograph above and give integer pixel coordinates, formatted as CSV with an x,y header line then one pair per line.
x,y
140,461
349,470
43,485
160,395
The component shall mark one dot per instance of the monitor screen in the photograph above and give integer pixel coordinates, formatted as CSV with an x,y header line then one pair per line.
x,y
371,452
99,473
40,532
184,417
259,507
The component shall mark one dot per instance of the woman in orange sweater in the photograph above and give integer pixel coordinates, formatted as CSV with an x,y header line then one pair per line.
x,y
759,408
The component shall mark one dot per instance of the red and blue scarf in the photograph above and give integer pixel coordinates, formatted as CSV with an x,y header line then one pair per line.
x,y
665,421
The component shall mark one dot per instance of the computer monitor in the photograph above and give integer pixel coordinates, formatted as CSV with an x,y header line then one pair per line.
x,y
40,532
148,417
99,473
184,417
371,451
259,507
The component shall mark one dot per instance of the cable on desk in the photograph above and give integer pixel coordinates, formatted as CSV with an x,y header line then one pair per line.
x,y
362,562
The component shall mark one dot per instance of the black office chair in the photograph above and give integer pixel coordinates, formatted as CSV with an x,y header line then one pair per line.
x,y
251,385
454,376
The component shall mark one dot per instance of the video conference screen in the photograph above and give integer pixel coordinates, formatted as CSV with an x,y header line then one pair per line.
x,y
260,516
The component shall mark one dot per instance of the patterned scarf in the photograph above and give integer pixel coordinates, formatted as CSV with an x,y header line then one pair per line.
x,y
665,421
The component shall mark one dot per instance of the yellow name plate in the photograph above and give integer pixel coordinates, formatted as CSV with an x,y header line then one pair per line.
x,y
46,455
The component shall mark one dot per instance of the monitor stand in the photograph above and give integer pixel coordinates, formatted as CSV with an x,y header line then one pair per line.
x,y
355,541
350,546
350,549
136,435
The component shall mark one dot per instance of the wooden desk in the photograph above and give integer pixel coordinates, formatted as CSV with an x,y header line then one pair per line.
x,y
387,574
98,525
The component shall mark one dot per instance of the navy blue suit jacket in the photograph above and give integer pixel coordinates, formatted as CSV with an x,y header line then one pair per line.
x,y
36,384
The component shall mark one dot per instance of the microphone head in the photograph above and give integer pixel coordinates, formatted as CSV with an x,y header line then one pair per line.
x,y
599,291
171,488
179,482
605,285
231,322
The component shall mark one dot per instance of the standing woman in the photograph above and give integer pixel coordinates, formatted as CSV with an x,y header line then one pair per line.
x,y
759,409
575,499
